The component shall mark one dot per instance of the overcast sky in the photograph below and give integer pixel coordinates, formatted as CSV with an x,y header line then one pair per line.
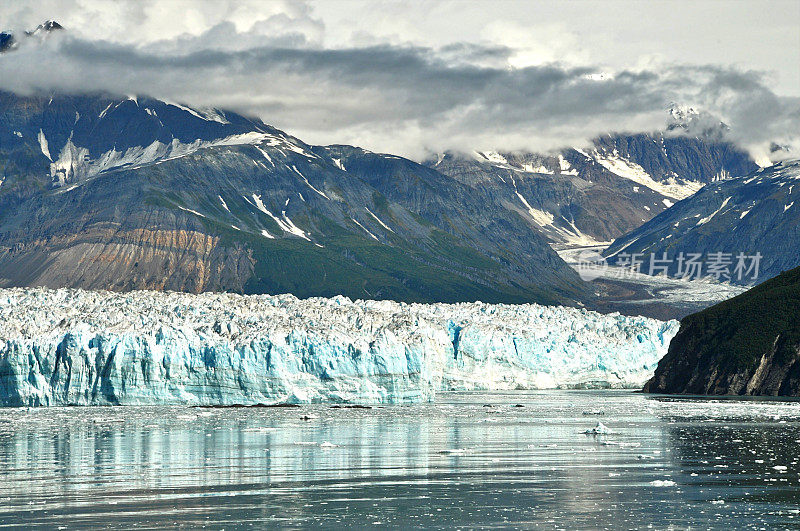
x,y
408,77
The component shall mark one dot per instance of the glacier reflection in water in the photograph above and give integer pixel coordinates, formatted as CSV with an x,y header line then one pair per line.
x,y
470,460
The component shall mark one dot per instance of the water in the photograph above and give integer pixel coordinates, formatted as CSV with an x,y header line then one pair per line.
x,y
670,462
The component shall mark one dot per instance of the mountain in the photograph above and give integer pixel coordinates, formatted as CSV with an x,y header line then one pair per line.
x,y
129,193
8,40
757,214
695,122
748,345
582,196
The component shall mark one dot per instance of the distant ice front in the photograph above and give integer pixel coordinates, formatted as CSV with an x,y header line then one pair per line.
x,y
62,347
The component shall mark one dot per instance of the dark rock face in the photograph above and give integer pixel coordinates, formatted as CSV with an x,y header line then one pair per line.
x,y
757,213
6,41
667,157
133,193
748,345
578,196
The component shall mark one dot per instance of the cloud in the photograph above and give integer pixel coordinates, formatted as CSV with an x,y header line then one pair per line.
x,y
401,98
142,22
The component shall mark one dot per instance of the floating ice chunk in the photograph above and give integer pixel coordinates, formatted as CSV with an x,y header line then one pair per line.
x,y
663,483
454,451
599,429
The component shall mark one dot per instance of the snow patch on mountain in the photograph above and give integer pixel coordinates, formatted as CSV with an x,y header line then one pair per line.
x,y
75,163
224,204
708,218
309,184
364,229
565,167
493,156
672,188
80,347
285,224
382,224
209,114
43,145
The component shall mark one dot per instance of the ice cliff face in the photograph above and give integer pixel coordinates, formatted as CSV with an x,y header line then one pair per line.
x,y
83,347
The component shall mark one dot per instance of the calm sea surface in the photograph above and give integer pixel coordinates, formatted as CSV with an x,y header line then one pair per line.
x,y
469,460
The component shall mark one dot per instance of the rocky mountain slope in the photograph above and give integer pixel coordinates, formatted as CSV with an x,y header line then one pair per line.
x,y
132,193
748,345
584,196
78,347
755,214
98,191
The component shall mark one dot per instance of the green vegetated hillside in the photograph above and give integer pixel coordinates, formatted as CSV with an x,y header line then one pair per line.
x,y
748,345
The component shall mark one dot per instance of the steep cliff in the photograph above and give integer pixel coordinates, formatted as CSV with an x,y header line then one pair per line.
x,y
748,345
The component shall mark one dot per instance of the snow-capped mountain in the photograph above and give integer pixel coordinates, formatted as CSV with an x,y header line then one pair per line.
x,y
756,214
100,191
125,193
581,196
9,41
78,347
83,136
695,122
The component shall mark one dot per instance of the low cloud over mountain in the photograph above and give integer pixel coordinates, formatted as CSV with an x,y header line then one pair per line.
x,y
392,95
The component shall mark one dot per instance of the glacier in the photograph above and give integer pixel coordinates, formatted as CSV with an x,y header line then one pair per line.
x,y
76,347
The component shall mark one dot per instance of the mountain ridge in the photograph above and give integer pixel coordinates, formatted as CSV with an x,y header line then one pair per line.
x,y
170,197
756,215
587,196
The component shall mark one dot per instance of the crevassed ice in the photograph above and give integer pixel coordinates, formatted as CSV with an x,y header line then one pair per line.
x,y
84,347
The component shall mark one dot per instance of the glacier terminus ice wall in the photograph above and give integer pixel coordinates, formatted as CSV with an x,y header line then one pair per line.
x,y
61,347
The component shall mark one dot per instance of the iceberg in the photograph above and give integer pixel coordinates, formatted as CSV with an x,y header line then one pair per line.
x,y
76,347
